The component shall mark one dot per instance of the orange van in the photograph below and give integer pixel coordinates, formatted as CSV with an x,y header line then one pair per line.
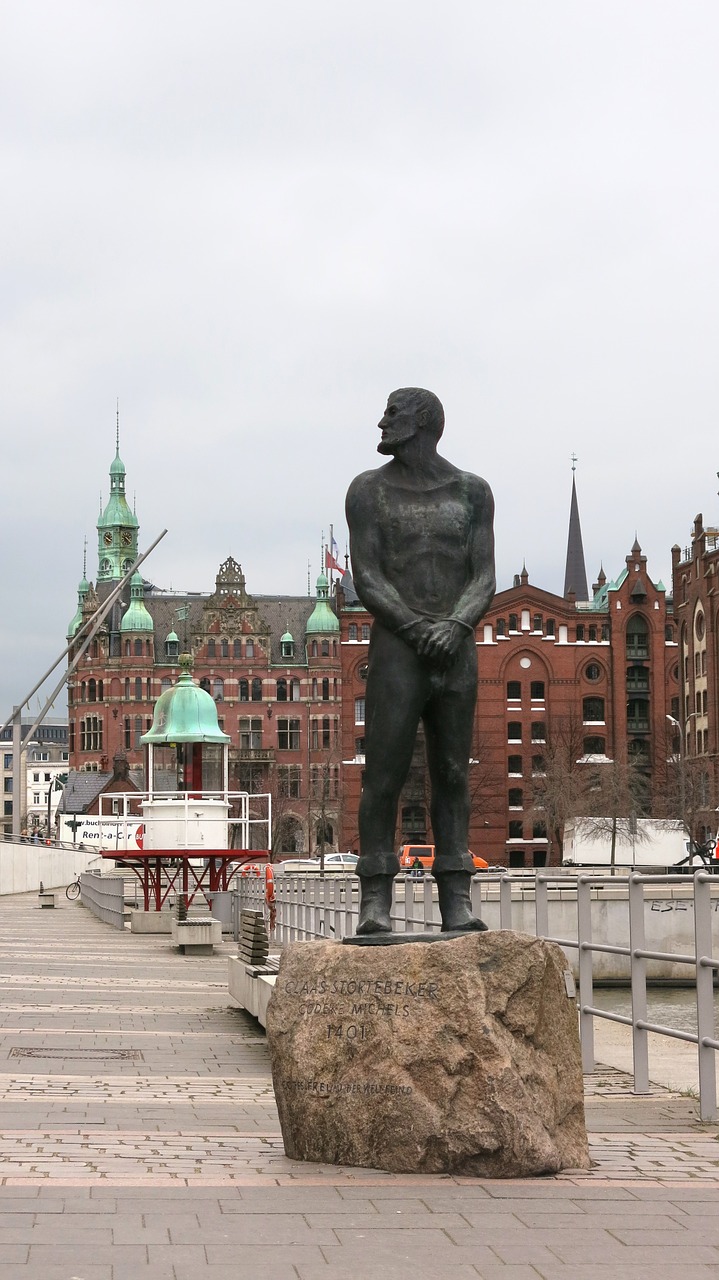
x,y
425,852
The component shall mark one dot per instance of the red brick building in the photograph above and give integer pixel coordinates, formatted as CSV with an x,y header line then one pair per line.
x,y
601,673
272,664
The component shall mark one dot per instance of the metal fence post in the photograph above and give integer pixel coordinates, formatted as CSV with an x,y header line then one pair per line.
x,y
586,995
505,903
541,907
705,996
638,970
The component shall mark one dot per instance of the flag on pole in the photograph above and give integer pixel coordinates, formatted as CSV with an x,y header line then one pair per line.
x,y
331,562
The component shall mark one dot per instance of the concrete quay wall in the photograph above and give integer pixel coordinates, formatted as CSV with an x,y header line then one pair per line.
x,y
24,864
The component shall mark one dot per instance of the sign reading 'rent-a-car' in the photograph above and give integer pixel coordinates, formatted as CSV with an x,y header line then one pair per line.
x,y
102,833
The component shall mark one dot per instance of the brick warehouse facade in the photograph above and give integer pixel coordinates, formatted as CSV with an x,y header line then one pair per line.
x,y
288,675
602,674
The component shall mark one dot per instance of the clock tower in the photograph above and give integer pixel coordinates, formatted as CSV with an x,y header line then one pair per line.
x,y
117,527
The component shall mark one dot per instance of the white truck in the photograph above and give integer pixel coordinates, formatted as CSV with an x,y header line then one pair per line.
x,y
655,843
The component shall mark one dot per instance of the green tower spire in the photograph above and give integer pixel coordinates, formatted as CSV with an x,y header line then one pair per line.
x,y
322,619
117,527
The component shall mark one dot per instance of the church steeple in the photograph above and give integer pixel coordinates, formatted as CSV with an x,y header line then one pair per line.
x,y
575,575
117,527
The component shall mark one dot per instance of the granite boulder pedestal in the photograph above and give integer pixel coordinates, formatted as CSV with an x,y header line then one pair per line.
x,y
460,1056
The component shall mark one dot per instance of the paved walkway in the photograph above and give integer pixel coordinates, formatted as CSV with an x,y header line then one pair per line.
x,y
139,1138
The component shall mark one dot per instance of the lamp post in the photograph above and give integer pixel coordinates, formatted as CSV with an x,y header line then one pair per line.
x,y
682,758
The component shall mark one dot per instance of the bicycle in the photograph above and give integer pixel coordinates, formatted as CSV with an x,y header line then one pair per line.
x,y
73,890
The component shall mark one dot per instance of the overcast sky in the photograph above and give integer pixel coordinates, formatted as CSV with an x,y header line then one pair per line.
x,y
251,222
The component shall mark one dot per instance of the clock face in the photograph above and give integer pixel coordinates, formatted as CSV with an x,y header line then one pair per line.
x,y
127,538
107,539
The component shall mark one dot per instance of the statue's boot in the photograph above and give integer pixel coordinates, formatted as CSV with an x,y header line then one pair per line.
x,y
375,904
455,902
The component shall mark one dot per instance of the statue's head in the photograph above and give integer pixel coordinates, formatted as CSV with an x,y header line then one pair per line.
x,y
409,411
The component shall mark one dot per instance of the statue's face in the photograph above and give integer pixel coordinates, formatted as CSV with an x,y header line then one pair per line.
x,y
400,423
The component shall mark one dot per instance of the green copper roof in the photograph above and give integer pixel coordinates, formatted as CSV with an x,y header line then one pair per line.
x,y
117,511
322,619
82,591
185,713
172,638
137,617
287,638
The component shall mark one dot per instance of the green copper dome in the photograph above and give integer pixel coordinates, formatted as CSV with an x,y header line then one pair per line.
x,y
185,713
287,638
172,638
137,617
322,619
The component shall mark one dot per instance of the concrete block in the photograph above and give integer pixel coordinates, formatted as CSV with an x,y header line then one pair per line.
x,y
150,922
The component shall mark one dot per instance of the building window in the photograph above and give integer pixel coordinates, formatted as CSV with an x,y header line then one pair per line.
x,y
365,631
205,683
313,649
637,638
91,691
537,691
593,634
537,622
514,690
225,648
517,858
516,829
138,688
580,631
281,691
294,690
250,734
594,746
165,684
514,766
256,689
138,648
516,798
352,631
539,830
359,746
326,731
249,648
91,734
501,627
325,648
325,689
138,732
512,622
237,648
149,689
539,731
128,734
593,671
359,710
514,731
288,781
593,710
315,688
669,633
287,648
244,691
218,691
550,626
211,649
7,785
288,735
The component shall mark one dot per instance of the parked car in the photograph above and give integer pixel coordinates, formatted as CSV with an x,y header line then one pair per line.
x,y
411,854
341,861
333,862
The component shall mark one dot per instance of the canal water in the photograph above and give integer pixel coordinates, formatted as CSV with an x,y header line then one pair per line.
x,y
667,1006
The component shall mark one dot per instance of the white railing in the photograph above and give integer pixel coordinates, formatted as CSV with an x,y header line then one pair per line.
x,y
326,906
212,819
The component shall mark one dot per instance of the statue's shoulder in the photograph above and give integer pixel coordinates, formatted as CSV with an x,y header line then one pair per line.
x,y
364,487
477,488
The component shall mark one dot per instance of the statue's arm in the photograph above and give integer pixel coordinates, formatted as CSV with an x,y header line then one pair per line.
x,y
479,591
376,592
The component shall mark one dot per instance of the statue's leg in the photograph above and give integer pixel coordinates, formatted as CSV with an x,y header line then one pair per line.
x,y
449,719
397,686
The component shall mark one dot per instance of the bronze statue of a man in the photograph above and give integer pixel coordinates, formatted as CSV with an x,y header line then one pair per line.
x,y
422,546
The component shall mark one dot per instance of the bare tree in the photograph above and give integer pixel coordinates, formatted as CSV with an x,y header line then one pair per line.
x,y
615,794
559,778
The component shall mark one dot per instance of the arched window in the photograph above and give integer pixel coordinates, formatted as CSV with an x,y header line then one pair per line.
x,y
148,648
166,683
91,691
594,746
249,648
512,622
352,633
205,683
287,648
281,693
501,627
172,648
325,689
138,688
294,690
365,631
138,648
514,731
326,731
225,648
325,648
83,692
128,649
256,689
237,648
315,689
244,691
313,650
127,689
128,734
149,689
637,637
516,798
211,648
218,690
